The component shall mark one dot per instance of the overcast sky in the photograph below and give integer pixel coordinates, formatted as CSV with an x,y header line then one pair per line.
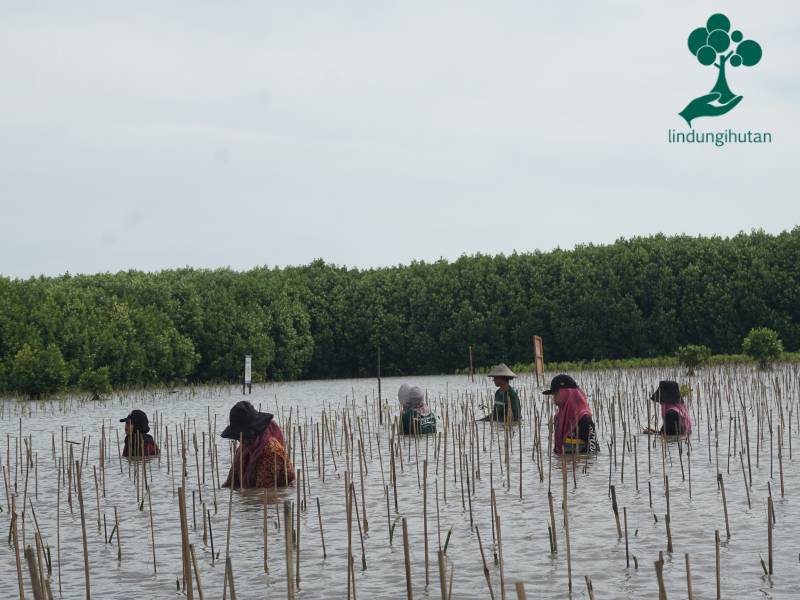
x,y
153,135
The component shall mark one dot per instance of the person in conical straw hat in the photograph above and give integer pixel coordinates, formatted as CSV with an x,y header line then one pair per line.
x,y
506,399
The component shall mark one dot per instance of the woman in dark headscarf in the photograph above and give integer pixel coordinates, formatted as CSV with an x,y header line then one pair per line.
x,y
138,442
674,413
573,427
416,416
261,459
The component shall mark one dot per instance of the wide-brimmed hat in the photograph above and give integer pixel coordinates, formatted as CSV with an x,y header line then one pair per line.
x,y
139,421
667,392
245,421
560,382
501,370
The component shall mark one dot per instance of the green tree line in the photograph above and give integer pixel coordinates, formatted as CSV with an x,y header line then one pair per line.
x,y
638,297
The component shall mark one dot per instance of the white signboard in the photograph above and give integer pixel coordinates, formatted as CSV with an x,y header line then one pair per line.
x,y
248,369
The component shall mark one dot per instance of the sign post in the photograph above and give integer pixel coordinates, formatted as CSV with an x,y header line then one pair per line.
x,y
538,356
248,374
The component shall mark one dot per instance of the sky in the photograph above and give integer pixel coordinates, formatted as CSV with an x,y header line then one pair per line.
x,y
156,135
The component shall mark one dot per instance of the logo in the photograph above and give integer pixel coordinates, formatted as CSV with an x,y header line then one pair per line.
x,y
715,45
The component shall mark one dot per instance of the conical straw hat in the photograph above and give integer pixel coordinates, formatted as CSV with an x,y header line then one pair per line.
x,y
501,370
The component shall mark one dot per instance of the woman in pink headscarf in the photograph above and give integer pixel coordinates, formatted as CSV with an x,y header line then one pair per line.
x,y
573,427
674,413
261,460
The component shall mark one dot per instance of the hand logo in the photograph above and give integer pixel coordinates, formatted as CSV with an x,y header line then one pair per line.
x,y
705,106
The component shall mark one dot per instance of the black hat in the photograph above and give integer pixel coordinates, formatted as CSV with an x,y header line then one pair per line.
x,y
560,382
139,421
667,392
245,421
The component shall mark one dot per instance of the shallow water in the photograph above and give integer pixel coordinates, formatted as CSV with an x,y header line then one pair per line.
x,y
595,549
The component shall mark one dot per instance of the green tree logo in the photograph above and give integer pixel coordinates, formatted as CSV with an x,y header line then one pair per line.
x,y
715,44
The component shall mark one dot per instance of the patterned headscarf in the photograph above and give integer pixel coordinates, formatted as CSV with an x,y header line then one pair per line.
x,y
565,421
683,412
413,398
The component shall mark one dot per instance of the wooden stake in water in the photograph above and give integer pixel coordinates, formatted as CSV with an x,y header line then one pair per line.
x,y
615,508
197,573
770,513
589,587
688,577
287,530
500,554
566,519
409,591
229,576
659,565
33,568
187,569
724,505
14,519
485,568
322,535
627,555
442,574
83,531
716,549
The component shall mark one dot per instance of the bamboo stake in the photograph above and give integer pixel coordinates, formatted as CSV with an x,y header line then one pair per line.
x,y
627,555
83,531
14,519
662,592
409,591
321,534
770,516
287,530
197,573
500,553
425,517
615,508
716,549
566,520
442,574
229,576
724,505
485,568
266,531
589,587
187,570
33,569
119,544
688,578
520,587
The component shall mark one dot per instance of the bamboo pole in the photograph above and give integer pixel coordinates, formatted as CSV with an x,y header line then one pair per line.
x,y
321,534
33,569
615,508
566,520
770,518
716,551
229,576
15,533
442,574
196,570
485,568
287,531
724,505
500,554
83,531
409,590
688,578
187,570
589,587
520,587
